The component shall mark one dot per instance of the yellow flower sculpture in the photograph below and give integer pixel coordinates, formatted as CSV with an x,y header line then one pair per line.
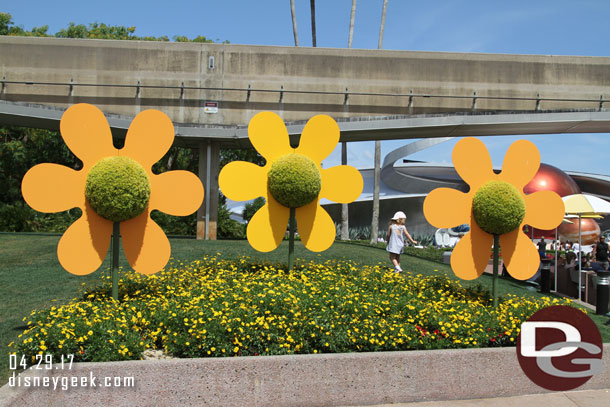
x,y
445,207
243,181
54,188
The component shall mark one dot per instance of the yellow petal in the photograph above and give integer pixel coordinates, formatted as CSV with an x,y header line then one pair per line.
x,y
521,164
267,227
519,254
242,181
472,162
83,246
543,210
150,135
316,228
471,255
269,136
85,131
177,193
341,184
145,245
53,188
446,207
319,138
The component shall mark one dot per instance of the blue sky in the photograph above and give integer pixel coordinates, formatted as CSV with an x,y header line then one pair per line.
x,y
555,27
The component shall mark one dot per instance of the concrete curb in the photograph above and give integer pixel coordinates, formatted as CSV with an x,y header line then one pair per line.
x,y
296,380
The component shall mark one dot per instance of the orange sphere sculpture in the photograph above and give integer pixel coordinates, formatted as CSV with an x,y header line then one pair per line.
x,y
550,178
589,228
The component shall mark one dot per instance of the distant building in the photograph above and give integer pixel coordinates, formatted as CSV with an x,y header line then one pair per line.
x,y
405,186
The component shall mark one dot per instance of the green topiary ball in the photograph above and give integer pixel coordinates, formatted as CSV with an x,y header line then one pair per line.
x,y
498,207
294,180
117,188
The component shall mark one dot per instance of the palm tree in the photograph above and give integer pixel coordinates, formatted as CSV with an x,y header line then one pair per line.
x,y
351,24
344,207
312,3
385,6
294,24
376,173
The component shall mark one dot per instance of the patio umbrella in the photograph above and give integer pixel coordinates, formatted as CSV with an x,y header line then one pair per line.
x,y
584,205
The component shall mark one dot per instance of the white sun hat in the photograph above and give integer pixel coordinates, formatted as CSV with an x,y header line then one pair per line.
x,y
399,215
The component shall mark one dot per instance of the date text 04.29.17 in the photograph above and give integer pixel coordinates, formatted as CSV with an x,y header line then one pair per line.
x,y
41,361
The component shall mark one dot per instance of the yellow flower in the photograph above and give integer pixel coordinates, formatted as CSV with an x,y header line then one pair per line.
x,y
243,181
445,207
54,188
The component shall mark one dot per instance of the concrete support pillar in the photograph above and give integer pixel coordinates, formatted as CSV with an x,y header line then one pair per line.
x,y
377,180
209,167
344,208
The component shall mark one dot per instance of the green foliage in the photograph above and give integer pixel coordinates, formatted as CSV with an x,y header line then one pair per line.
x,y
19,217
7,27
294,180
99,31
199,38
233,154
117,188
20,149
178,158
228,228
252,207
498,207
176,225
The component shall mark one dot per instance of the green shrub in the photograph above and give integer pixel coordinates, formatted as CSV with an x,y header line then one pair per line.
x,y
498,207
117,188
251,208
228,228
176,225
294,180
19,217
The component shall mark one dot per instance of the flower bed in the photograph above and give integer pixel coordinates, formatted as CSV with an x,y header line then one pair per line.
x,y
231,308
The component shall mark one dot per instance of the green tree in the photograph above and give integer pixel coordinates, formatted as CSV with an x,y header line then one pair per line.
x,y
8,27
251,207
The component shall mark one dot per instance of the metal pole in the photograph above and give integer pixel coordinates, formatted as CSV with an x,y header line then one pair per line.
x,y
494,285
603,292
208,187
556,247
291,239
579,259
116,234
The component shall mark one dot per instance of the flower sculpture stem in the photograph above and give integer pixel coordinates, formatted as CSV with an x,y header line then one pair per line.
x,y
116,236
292,222
494,285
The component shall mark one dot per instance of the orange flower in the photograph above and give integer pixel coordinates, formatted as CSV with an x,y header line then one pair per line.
x,y
54,188
445,208
242,181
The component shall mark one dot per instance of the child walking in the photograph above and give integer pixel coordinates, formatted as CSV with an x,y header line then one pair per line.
x,y
396,239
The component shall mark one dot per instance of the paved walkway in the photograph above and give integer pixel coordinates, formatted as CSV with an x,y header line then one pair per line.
x,y
584,398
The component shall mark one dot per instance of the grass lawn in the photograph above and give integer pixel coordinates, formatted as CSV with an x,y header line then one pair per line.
x,y
31,277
